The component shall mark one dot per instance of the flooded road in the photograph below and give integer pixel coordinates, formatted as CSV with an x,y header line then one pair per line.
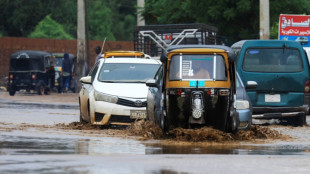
x,y
35,138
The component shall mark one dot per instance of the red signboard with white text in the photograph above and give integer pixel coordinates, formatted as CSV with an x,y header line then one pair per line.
x,y
295,27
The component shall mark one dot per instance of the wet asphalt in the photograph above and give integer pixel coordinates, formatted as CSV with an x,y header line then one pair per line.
x,y
44,150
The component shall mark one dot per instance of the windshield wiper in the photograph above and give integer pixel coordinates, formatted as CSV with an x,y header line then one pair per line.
x,y
138,81
108,81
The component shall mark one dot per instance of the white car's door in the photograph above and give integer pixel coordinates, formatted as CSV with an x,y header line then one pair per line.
x,y
85,91
84,95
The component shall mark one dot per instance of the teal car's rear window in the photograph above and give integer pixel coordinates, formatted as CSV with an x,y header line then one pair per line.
x,y
272,60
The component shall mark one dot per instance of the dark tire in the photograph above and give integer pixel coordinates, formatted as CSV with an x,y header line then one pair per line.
x,y
81,118
40,88
47,91
300,120
73,85
164,121
249,126
73,90
233,122
12,92
59,89
88,113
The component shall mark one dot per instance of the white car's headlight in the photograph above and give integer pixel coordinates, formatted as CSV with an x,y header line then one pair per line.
x,y
105,97
242,104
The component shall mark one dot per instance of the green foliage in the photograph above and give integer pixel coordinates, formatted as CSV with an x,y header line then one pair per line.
x,y
115,19
65,13
48,28
100,21
19,17
274,30
111,19
235,19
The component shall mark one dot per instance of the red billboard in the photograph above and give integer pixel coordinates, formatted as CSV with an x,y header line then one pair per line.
x,y
294,25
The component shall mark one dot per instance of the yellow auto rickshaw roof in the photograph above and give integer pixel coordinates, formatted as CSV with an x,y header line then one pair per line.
x,y
198,50
123,54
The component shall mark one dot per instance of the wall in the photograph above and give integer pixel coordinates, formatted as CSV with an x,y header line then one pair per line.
x,y
9,45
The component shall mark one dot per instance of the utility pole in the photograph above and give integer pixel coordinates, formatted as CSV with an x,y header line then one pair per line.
x,y
264,23
87,36
80,69
140,19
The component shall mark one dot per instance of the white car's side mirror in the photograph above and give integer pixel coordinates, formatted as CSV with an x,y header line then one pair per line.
x,y
151,83
86,80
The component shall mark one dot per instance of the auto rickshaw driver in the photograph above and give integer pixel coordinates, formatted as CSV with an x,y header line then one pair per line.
x,y
200,71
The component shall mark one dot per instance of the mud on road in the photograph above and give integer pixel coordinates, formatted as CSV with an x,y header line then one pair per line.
x,y
145,130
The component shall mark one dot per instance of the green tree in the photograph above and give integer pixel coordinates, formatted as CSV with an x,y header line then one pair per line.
x,y
113,19
100,21
65,13
19,17
235,19
124,15
48,28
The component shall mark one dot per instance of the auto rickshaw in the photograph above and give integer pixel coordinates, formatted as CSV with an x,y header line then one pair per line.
x,y
198,88
58,58
31,70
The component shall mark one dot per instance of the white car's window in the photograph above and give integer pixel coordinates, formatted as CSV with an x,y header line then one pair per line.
x,y
93,71
127,72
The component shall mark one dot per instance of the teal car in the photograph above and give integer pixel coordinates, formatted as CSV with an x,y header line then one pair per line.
x,y
276,76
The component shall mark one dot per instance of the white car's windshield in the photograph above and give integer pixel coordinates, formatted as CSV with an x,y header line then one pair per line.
x,y
127,72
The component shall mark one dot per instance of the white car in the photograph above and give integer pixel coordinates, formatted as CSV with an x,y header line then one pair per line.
x,y
115,90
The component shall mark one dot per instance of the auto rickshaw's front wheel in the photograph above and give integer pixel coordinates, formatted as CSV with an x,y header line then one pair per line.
x,y
12,92
47,91
164,121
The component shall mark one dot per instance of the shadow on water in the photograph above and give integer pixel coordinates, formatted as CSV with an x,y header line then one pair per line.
x,y
19,145
16,105
222,149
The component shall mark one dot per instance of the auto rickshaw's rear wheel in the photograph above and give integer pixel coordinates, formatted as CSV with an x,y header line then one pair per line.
x,y
59,90
298,120
233,121
41,90
12,92
163,121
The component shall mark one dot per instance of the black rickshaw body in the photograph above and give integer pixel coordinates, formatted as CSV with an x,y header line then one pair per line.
x,y
199,87
31,70
58,59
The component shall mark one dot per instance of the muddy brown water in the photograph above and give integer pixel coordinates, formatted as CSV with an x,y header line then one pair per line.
x,y
146,130
47,139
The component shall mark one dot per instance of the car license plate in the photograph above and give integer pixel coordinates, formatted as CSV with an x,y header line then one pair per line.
x,y
137,114
272,98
